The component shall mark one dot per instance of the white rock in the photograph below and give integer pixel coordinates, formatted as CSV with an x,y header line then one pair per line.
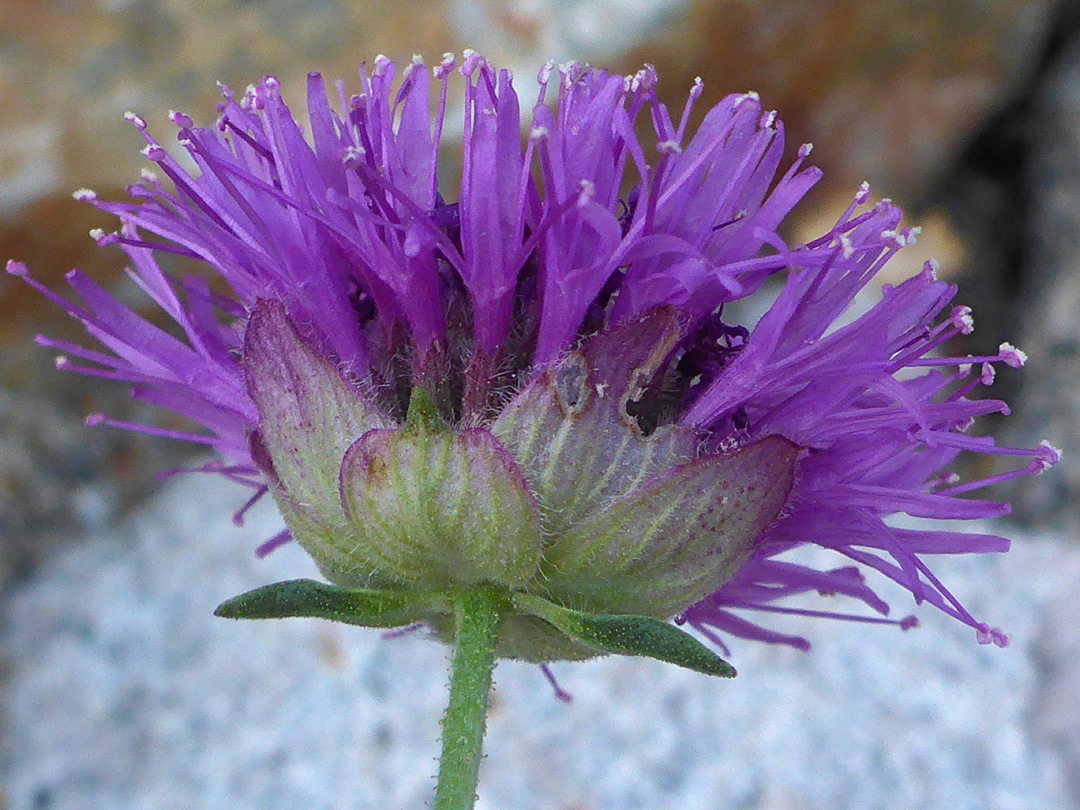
x,y
124,692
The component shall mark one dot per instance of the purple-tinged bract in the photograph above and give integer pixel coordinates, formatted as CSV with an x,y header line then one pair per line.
x,y
533,380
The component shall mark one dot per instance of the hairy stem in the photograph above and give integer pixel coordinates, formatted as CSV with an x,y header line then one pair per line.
x,y
479,611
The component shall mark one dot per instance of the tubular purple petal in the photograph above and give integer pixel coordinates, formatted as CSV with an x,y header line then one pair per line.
x,y
492,211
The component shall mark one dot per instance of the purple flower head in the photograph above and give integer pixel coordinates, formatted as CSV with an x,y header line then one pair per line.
x,y
532,379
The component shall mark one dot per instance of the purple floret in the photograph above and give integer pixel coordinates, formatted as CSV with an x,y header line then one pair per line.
x,y
576,227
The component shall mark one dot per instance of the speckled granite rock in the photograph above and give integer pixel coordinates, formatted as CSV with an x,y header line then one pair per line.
x,y
122,691
1056,716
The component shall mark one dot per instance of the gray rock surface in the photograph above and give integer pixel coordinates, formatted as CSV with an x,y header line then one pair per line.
x,y
1056,715
123,691
1049,402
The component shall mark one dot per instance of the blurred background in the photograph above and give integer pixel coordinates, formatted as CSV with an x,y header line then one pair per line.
x,y
966,112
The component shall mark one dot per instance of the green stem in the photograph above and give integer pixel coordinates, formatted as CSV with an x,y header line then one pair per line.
x,y
479,612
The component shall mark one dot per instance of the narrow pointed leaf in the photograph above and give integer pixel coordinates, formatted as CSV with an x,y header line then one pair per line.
x,y
310,599
628,635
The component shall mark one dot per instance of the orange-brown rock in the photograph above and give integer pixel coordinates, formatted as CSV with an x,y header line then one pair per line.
x,y
889,90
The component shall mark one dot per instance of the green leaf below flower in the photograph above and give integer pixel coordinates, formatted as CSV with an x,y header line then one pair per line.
x,y
628,635
310,599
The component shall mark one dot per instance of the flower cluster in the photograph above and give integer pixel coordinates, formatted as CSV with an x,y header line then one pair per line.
x,y
566,319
